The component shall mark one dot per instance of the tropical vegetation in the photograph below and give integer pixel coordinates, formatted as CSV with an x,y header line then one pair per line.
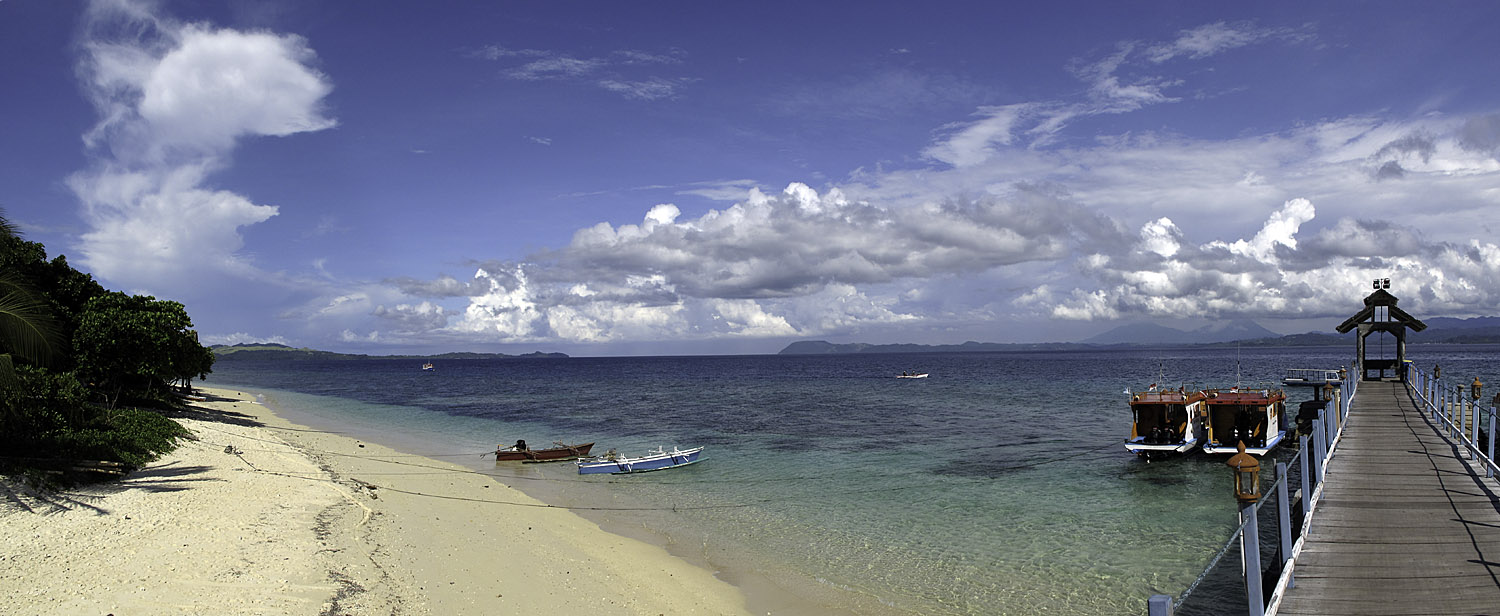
x,y
86,374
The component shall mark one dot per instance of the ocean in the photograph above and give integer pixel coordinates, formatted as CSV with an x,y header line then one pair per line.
x,y
998,485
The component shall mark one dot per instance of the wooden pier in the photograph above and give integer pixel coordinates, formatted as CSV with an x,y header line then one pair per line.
x,y
1407,523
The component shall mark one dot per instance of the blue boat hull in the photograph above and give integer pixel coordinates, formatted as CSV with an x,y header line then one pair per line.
x,y
654,461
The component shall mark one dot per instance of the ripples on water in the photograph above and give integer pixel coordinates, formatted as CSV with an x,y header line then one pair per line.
x,y
998,485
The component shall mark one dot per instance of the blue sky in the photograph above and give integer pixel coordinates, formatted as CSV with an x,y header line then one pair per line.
x,y
605,178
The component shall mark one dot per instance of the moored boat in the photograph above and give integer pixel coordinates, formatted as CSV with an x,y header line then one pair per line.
x,y
654,460
1165,422
521,452
1256,416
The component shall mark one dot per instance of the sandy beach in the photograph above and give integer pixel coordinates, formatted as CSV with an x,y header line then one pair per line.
x,y
256,515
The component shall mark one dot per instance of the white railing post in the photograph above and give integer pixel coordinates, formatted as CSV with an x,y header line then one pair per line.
x,y
1474,429
1306,480
1159,605
1284,517
1318,448
1330,424
1250,553
1489,469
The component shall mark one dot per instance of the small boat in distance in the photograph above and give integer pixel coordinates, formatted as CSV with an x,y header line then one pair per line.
x,y
1256,416
1165,422
520,451
912,375
427,367
654,460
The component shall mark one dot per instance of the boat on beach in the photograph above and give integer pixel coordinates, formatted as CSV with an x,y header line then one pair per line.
x,y
1165,422
654,460
1256,416
520,452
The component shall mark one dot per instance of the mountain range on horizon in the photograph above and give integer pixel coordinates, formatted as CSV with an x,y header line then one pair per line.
x,y
1151,333
1477,330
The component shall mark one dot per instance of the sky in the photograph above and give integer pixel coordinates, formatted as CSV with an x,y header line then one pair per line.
x,y
625,178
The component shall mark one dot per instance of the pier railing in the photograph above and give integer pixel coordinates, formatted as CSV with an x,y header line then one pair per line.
x,y
1449,403
1469,421
1315,449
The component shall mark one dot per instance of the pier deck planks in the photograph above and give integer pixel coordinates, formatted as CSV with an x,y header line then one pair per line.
x,y
1405,525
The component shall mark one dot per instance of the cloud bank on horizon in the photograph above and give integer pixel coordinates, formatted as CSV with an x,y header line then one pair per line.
x,y
1057,209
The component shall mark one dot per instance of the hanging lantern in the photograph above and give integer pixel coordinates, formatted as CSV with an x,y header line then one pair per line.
x,y
1246,475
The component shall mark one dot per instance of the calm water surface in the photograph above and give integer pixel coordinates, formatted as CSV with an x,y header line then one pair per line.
x,y
998,485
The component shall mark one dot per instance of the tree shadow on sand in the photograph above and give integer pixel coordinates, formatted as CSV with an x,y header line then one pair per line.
x,y
168,477
214,415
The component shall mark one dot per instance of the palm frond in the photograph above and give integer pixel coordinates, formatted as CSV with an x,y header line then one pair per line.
x,y
27,329
6,227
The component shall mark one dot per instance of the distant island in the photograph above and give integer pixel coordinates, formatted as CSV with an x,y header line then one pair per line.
x,y
1441,330
281,352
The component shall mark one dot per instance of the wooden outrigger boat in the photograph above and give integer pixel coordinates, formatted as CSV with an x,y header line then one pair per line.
x,y
654,460
1255,416
1165,422
520,452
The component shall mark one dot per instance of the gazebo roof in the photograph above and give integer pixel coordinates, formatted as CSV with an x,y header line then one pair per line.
x,y
1381,298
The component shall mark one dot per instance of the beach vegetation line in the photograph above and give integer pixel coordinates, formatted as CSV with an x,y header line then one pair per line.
x,y
87,375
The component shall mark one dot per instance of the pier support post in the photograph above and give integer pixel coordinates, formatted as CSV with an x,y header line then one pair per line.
x,y
1250,551
1159,605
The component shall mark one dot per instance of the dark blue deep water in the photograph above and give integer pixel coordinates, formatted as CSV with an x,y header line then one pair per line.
x,y
998,485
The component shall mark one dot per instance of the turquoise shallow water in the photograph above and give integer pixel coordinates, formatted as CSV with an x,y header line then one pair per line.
x,y
999,485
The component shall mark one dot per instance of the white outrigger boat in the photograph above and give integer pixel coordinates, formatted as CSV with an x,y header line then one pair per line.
x,y
1165,422
654,460
1255,416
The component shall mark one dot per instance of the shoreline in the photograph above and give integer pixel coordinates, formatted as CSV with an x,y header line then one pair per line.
x,y
260,515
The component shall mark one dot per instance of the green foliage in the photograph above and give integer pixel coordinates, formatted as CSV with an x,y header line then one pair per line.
x,y
137,345
65,341
40,401
27,330
51,287
132,436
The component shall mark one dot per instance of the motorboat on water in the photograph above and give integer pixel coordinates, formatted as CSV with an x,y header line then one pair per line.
x,y
1256,416
427,367
912,375
654,460
1165,422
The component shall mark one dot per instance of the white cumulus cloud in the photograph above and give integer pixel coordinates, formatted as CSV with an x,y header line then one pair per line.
x,y
173,100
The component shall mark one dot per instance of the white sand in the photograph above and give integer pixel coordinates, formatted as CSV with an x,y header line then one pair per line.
x,y
283,523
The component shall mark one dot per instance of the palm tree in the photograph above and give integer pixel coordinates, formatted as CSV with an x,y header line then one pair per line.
x,y
26,326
